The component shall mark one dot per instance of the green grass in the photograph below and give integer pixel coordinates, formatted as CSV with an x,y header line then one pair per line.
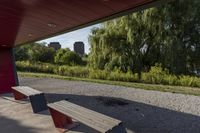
x,y
162,88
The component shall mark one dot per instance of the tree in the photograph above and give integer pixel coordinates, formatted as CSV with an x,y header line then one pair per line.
x,y
168,35
35,52
41,53
21,53
122,43
67,57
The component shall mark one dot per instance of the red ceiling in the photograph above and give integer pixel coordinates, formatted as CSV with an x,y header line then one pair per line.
x,y
23,21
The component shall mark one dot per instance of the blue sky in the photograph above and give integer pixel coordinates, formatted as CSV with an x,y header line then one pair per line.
x,y
67,40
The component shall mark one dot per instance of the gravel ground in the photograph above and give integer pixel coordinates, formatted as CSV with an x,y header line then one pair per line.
x,y
141,111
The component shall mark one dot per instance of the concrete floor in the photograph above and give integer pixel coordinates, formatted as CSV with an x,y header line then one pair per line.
x,y
17,117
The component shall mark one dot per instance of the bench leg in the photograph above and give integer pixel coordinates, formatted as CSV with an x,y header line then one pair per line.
x,y
62,122
38,103
18,95
118,129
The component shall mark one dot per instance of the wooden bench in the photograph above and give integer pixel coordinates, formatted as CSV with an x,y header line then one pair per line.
x,y
63,112
37,98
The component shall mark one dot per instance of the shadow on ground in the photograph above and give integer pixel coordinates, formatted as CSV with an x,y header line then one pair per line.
x,y
8,125
137,117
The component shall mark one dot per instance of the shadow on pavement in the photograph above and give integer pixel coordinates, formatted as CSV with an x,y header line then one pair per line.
x,y
137,117
8,125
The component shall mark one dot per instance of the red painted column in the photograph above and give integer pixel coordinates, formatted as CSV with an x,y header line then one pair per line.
x,y
8,74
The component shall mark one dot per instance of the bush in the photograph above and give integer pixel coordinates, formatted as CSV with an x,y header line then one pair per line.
x,y
98,74
170,80
156,75
159,76
35,67
75,71
196,82
117,75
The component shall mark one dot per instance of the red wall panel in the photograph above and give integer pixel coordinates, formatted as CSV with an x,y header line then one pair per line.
x,y
7,71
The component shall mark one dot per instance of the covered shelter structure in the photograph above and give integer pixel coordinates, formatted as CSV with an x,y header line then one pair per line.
x,y
23,21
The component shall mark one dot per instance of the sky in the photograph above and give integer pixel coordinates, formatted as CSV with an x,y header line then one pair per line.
x,y
68,39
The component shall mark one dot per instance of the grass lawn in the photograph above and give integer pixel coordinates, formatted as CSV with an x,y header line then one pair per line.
x,y
163,88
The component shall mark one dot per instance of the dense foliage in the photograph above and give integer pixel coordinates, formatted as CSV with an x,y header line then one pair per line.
x,y
156,75
38,52
65,56
168,35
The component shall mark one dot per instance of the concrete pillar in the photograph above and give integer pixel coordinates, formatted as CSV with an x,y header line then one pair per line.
x,y
8,74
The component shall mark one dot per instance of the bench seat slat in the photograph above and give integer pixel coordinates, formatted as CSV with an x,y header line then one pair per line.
x,y
78,117
30,90
26,90
91,118
97,116
95,120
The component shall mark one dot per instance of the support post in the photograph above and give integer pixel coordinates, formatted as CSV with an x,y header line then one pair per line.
x,y
38,102
8,74
18,95
62,122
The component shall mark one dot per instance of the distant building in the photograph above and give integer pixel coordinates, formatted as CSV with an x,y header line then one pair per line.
x,y
55,45
79,48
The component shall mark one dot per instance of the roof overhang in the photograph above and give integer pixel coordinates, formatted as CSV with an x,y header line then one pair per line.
x,y
23,21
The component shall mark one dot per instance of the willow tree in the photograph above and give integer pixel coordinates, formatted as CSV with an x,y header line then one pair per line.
x,y
168,35
125,43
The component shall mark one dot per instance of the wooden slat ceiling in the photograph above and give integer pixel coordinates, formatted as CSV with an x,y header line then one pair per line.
x,y
24,21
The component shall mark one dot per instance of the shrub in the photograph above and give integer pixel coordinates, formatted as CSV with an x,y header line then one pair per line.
x,y
75,71
117,75
184,80
156,75
35,67
98,74
196,82
170,80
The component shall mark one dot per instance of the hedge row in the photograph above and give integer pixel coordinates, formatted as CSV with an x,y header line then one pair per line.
x,y
155,76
